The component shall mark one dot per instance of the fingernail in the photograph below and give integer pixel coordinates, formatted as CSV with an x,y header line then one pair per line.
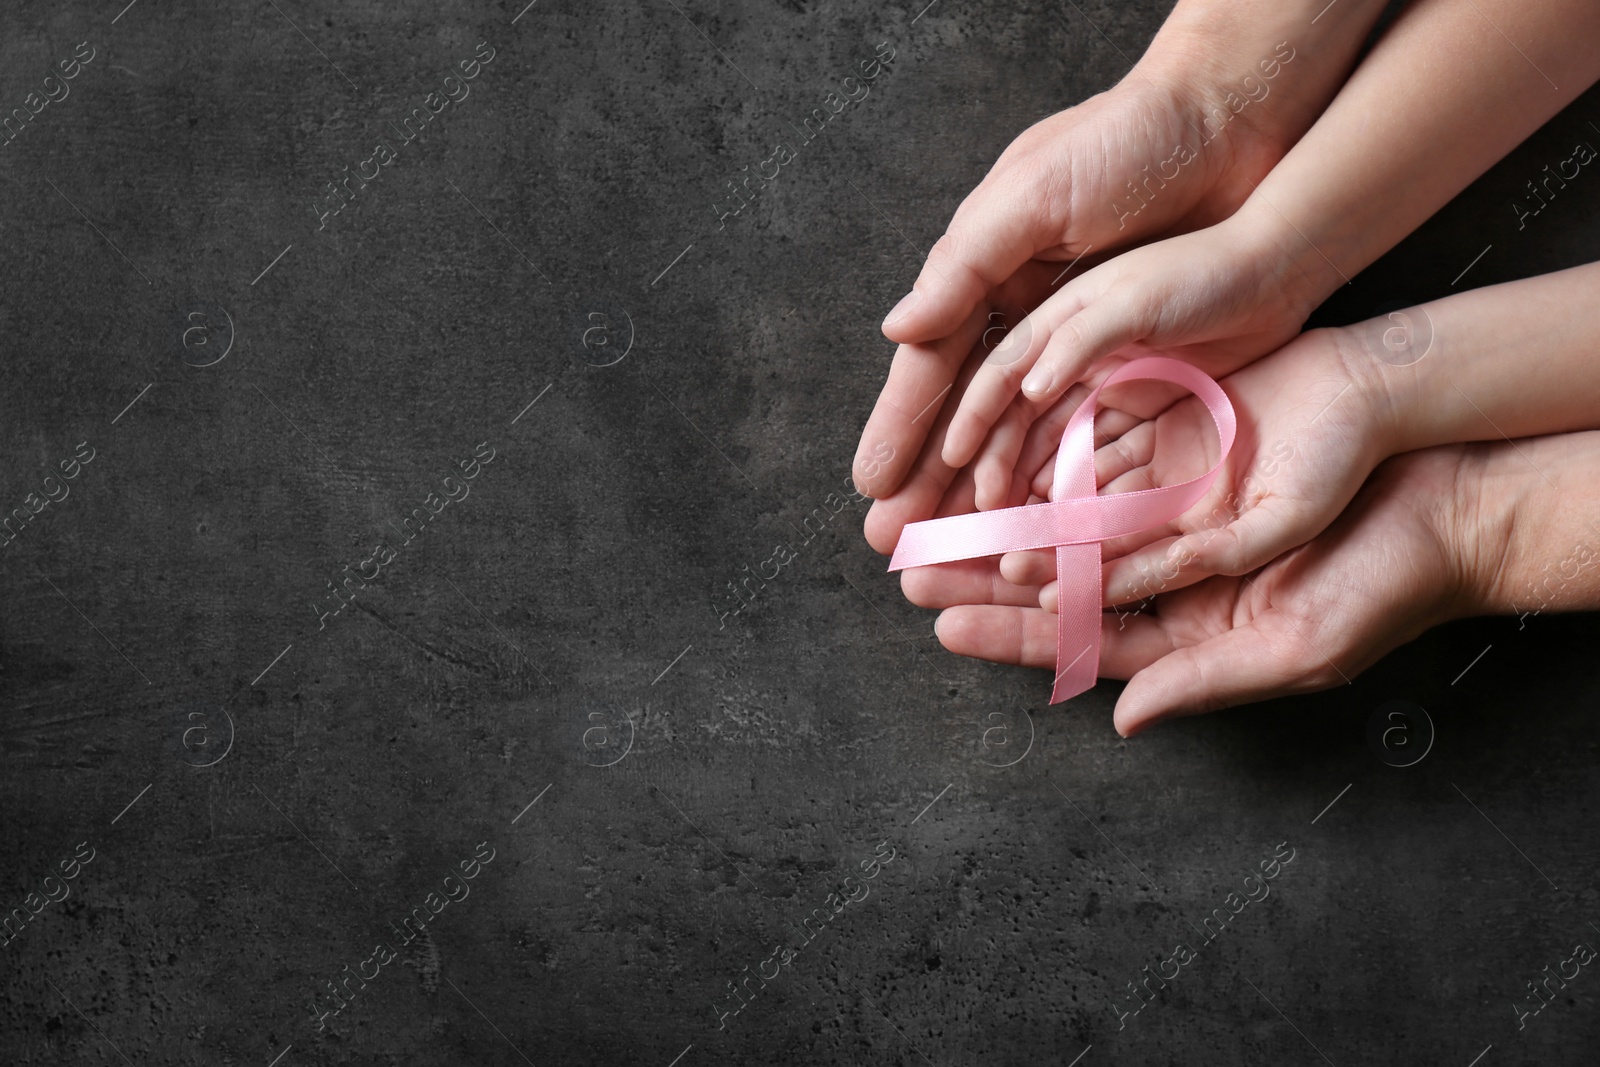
x,y
902,309
1037,383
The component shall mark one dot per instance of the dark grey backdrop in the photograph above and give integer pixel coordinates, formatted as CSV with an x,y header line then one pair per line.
x,y
264,791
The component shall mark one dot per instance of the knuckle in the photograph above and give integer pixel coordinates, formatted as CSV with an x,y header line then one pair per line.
x,y
1072,334
1008,373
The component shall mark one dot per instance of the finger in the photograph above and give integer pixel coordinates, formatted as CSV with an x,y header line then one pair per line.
x,y
1144,570
916,499
996,467
1044,442
974,581
968,581
1003,483
1112,423
1051,349
1253,540
1017,635
1219,546
1143,397
1136,480
920,382
1125,455
994,232
1130,641
1239,666
1037,457
1026,637
958,497
1048,599
1159,560
1034,567
1083,339
923,489
999,380
1124,579
1021,492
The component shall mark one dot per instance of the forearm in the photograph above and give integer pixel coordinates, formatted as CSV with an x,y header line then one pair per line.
x,y
1224,47
1441,97
1529,529
1504,361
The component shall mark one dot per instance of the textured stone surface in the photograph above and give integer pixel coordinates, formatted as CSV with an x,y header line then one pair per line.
x,y
567,612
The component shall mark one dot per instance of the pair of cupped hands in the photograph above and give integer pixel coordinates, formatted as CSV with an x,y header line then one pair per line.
x,y
1320,546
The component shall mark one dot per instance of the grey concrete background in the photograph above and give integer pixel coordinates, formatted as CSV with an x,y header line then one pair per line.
x,y
565,614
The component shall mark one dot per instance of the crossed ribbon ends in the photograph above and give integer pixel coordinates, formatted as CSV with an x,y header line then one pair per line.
x,y
1075,520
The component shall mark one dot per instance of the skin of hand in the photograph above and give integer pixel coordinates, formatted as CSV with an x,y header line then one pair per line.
x,y
927,486
1422,543
1219,298
1361,178
1313,423
1318,415
1199,121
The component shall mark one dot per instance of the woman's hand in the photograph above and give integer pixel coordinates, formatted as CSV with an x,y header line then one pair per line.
x,y
1178,144
1416,548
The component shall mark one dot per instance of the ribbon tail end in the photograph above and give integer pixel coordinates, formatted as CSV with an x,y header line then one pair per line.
x,y
1068,687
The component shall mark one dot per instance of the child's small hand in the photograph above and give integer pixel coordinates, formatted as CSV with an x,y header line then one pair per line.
x,y
1313,423
1219,297
926,486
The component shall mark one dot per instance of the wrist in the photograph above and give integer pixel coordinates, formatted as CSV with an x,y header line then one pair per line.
x,y
1476,522
1226,80
1383,359
1266,245
1308,271
1249,50
1539,549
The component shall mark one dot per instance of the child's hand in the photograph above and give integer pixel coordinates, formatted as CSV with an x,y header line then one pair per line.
x,y
1411,552
1313,423
1219,297
970,356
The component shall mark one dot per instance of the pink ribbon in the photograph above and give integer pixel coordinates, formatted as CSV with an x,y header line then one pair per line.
x,y
1075,520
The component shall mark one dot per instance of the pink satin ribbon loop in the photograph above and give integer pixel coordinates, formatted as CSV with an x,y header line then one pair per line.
x,y
1075,520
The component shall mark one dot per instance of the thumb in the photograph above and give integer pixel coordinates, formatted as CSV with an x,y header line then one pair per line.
x,y
1253,540
1236,667
995,230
